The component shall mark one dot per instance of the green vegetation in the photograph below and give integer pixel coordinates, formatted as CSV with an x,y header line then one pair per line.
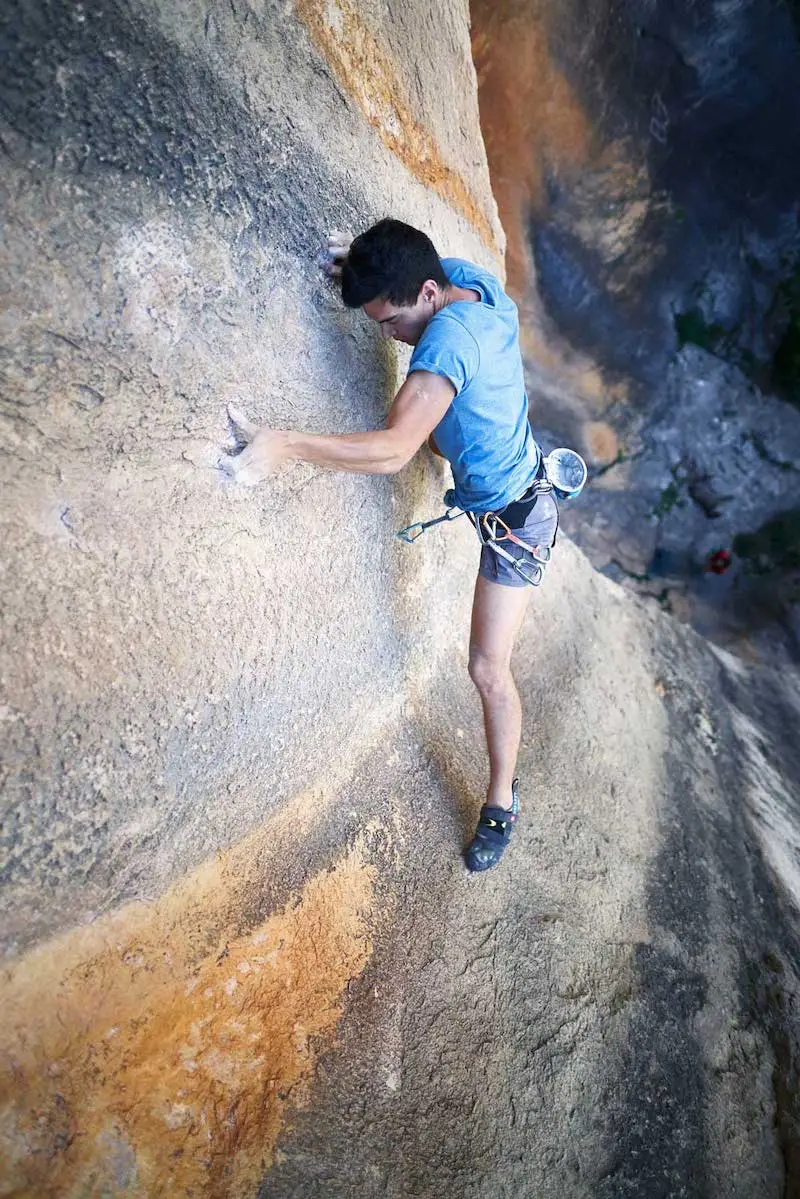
x,y
774,548
692,328
668,499
622,456
782,372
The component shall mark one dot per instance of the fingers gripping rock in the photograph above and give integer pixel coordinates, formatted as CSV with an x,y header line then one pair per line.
x,y
263,453
241,469
243,429
334,256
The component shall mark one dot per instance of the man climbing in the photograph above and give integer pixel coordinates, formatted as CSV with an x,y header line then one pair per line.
x,y
465,395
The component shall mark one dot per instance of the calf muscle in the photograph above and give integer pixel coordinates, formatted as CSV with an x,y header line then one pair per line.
x,y
497,614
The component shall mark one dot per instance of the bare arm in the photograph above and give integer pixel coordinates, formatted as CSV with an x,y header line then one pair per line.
x,y
417,408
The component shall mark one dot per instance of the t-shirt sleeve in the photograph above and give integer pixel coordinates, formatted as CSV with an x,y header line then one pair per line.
x,y
448,349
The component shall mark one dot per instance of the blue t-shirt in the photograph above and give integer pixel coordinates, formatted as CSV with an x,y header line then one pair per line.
x,y
485,433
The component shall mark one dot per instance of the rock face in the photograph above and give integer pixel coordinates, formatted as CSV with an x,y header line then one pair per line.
x,y
241,752
649,185
166,196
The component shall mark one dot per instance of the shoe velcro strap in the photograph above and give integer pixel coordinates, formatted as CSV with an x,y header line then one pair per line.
x,y
496,820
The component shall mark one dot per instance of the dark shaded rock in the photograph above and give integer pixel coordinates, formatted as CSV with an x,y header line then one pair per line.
x,y
710,105
671,223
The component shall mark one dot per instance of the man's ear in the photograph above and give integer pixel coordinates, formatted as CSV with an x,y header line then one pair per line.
x,y
429,290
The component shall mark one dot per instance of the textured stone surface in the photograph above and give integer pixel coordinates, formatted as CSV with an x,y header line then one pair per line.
x,y
166,196
714,460
241,751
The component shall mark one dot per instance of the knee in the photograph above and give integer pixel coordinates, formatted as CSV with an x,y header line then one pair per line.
x,y
490,675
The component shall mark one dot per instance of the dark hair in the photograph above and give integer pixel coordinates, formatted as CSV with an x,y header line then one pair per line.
x,y
390,261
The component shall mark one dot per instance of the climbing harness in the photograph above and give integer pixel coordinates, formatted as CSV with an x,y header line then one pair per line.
x,y
492,530
562,473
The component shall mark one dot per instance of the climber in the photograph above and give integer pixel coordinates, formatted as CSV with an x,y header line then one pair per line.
x,y
465,395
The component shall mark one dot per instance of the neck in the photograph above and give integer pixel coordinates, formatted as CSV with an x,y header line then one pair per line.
x,y
454,295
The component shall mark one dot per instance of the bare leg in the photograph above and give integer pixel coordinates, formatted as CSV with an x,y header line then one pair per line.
x,y
497,613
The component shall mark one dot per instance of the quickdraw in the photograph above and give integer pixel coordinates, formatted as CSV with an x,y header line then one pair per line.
x,y
563,472
411,532
491,530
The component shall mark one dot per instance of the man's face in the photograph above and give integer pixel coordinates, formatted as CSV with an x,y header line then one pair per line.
x,y
403,322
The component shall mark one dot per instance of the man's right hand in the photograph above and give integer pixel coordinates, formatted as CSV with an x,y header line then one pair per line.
x,y
264,451
334,255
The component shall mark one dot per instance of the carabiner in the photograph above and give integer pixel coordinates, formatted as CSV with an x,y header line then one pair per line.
x,y
411,532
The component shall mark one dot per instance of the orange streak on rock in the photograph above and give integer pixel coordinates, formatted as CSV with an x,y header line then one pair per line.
x,y
366,72
533,124
159,1050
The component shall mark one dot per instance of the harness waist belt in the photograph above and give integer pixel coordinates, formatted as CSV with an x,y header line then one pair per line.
x,y
516,513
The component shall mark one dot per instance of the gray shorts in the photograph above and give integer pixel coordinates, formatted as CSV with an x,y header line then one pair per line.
x,y
539,529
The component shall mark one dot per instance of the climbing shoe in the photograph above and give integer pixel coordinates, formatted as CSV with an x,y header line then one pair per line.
x,y
493,833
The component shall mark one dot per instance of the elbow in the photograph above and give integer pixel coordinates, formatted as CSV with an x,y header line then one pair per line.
x,y
397,460
396,464
391,466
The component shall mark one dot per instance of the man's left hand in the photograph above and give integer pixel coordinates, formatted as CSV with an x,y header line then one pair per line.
x,y
334,256
264,452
